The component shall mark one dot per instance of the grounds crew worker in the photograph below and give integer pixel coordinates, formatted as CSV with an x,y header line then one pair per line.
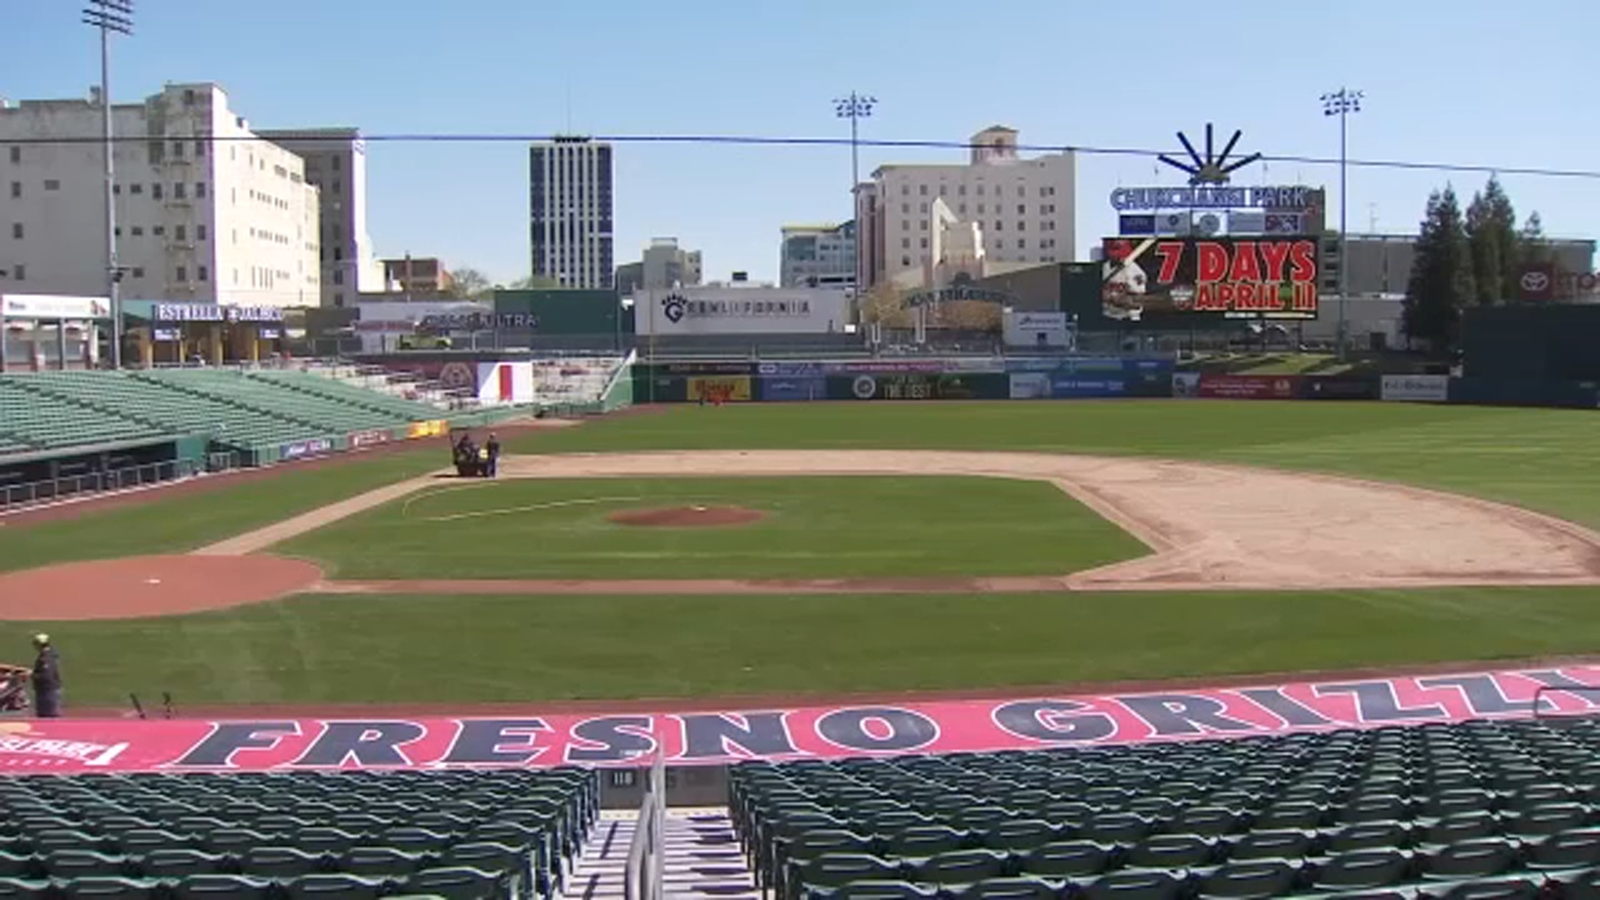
x,y
46,679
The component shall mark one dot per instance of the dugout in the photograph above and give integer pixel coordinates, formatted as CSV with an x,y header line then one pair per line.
x,y
28,478
1532,342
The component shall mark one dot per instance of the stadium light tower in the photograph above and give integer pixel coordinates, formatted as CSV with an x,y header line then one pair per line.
x,y
855,108
1342,103
110,16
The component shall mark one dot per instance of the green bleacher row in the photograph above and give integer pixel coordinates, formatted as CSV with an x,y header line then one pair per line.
x,y
56,410
458,835
1473,811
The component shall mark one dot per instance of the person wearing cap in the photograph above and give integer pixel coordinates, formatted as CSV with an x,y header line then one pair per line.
x,y
46,679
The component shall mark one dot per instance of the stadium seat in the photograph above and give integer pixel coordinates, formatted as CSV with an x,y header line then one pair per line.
x,y
460,883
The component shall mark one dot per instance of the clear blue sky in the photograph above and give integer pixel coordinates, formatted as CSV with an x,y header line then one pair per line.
x,y
1468,81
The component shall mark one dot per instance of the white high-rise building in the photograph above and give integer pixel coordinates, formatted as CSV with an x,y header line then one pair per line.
x,y
1022,207
207,211
336,162
569,204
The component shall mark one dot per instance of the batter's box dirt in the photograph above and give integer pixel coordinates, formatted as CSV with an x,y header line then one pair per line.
x,y
147,586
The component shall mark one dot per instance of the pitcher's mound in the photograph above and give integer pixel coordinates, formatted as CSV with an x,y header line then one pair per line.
x,y
144,586
688,517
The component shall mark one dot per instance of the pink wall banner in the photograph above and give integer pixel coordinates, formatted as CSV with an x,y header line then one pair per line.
x,y
811,732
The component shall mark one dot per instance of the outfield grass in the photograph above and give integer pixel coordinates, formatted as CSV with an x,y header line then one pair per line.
x,y
814,527
1539,458
460,649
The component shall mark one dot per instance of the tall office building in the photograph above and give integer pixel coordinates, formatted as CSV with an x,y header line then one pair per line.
x,y
818,255
569,201
207,211
1021,206
336,162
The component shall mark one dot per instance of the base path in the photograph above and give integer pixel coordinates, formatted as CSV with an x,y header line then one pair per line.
x,y
1208,526
143,586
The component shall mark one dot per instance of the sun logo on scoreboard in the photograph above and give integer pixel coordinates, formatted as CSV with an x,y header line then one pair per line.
x,y
1213,168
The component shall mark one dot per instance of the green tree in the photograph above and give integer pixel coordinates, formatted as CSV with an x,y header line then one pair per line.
x,y
1441,274
1531,244
1495,245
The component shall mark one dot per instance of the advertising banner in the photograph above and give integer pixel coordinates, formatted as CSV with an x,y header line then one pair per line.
x,y
1416,388
1247,387
369,438
741,310
883,366
1030,386
1339,387
53,306
1075,388
775,388
718,737
907,387
1185,384
700,368
790,369
732,389
1179,279
302,449
431,428
1524,392
1039,329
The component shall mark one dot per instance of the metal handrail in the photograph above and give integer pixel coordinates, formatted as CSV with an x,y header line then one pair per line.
x,y
14,497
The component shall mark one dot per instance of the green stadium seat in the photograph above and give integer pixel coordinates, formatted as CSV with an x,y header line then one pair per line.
x,y
1251,880
283,862
1492,889
1020,835
1066,859
1135,885
873,889
1010,888
338,885
224,887
323,839
921,841
85,863
386,862
1271,845
176,863
460,883
1173,851
960,867
1460,827
1579,848
1367,835
1362,870
1474,858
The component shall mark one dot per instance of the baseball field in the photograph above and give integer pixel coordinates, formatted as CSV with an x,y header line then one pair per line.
x,y
819,549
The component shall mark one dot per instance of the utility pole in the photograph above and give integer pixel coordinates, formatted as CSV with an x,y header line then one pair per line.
x,y
1342,103
109,16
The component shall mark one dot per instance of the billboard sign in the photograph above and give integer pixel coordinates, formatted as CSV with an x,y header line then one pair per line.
x,y
715,389
741,310
537,739
53,306
302,449
909,387
1039,329
1234,278
211,312
1247,387
1416,388
780,388
1279,197
1030,386
369,438
1542,282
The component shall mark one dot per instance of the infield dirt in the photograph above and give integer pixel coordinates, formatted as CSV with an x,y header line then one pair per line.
x,y
1207,526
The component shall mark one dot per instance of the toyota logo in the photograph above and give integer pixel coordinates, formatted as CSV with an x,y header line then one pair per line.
x,y
1535,282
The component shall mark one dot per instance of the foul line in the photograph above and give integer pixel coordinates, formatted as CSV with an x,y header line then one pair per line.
x,y
554,504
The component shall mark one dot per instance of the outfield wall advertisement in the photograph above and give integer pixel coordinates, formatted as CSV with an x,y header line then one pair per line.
x,y
534,740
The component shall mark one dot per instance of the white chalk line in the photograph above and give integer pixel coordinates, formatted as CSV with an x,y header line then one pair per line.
x,y
554,504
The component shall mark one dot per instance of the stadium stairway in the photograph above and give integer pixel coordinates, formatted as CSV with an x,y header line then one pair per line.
x,y
703,859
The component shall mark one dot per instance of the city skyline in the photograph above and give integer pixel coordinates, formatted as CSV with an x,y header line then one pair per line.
x,y
466,202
